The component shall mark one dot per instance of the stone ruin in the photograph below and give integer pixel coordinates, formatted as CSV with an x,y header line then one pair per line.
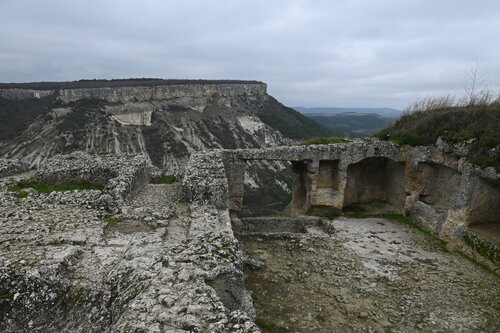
x,y
434,187
138,257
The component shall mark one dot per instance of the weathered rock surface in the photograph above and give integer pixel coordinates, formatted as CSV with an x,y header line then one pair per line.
x,y
166,120
365,275
9,167
121,176
163,258
436,189
156,265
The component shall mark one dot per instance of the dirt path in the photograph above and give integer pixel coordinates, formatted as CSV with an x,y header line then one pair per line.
x,y
370,275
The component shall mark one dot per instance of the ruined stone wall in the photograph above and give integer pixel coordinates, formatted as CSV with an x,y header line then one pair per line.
x,y
205,181
434,187
121,176
150,265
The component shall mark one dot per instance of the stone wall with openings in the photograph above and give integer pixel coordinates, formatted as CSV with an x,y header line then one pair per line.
x,y
435,188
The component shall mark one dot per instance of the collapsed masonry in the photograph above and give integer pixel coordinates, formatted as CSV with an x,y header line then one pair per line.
x,y
433,186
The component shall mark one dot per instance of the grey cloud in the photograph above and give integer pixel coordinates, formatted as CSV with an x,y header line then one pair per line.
x,y
312,53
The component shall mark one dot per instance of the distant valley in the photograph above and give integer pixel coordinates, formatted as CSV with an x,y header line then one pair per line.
x,y
352,122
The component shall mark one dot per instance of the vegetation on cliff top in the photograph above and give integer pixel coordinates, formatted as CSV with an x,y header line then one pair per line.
x,y
476,123
104,83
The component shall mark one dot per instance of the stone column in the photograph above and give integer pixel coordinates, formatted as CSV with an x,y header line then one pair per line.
x,y
235,173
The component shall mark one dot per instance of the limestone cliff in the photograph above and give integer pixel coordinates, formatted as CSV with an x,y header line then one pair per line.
x,y
166,119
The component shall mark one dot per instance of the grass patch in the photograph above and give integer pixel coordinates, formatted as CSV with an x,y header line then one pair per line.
x,y
324,141
21,195
333,216
165,179
112,221
48,188
320,318
103,153
6,296
407,140
483,161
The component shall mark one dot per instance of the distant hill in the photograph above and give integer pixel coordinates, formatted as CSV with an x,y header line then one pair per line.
x,y
352,124
386,112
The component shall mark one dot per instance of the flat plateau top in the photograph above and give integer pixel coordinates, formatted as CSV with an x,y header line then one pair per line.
x,y
116,83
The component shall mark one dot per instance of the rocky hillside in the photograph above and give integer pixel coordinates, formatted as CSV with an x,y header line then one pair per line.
x,y
476,126
353,124
167,119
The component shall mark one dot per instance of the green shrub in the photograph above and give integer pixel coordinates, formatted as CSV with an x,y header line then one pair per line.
x,y
320,318
84,112
478,123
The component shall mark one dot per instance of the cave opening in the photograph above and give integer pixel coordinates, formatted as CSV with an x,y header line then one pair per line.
x,y
324,198
375,185
484,217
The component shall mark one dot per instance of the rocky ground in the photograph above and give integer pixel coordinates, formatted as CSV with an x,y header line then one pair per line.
x,y
366,275
155,265
163,258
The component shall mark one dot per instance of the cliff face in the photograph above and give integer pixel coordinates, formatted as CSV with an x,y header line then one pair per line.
x,y
168,122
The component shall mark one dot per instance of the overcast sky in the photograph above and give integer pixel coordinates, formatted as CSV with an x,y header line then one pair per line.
x,y
352,53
